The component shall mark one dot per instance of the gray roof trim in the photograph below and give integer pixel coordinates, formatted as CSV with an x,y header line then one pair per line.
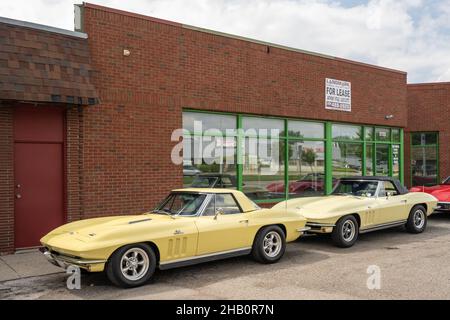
x,y
42,27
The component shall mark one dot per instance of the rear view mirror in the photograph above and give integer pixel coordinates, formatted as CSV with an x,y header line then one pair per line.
x,y
219,211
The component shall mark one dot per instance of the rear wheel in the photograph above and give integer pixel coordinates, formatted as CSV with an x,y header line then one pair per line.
x,y
417,220
131,266
346,231
269,245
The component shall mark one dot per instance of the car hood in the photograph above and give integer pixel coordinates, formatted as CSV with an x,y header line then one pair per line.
x,y
100,228
327,206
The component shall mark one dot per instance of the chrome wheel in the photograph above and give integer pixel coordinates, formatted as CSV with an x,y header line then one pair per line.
x,y
419,219
272,244
134,264
348,230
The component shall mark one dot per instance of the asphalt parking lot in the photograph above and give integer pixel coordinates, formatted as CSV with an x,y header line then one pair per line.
x,y
411,267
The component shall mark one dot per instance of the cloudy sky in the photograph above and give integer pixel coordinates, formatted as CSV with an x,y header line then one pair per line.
x,y
409,35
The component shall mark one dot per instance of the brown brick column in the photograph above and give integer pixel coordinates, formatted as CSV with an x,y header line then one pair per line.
x,y
6,181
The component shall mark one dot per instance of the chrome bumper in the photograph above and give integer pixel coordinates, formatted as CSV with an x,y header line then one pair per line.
x,y
65,261
443,206
305,229
319,225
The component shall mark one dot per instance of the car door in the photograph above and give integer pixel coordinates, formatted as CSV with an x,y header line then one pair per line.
x,y
391,206
223,226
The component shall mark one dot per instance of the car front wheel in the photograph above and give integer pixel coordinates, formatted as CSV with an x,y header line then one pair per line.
x,y
131,266
269,245
346,231
417,220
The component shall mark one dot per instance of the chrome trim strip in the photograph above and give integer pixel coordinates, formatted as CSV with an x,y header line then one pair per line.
x,y
316,224
205,256
58,260
383,226
303,229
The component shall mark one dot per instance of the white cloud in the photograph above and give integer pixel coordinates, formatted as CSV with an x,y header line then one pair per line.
x,y
410,35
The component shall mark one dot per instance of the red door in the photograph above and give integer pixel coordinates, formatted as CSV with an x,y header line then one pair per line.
x,y
39,173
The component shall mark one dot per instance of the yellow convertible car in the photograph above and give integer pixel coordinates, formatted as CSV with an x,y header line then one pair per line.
x,y
190,226
363,204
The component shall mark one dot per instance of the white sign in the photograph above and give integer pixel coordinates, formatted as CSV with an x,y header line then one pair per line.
x,y
338,95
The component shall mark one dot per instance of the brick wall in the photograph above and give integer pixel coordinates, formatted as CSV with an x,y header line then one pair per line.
x,y
6,180
74,163
429,110
126,148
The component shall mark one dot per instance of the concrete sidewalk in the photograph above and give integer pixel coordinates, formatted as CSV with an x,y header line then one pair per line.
x,y
25,264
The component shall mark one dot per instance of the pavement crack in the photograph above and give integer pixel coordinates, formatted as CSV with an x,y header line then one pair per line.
x,y
10,267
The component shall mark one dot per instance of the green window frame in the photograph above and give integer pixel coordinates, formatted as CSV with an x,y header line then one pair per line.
x,y
395,138
424,144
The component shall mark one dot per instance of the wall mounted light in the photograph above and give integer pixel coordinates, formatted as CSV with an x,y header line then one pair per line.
x,y
389,117
126,52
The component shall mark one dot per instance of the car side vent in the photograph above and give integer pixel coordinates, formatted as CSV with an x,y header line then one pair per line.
x,y
139,221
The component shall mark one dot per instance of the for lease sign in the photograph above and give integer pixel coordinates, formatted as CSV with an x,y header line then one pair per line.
x,y
338,95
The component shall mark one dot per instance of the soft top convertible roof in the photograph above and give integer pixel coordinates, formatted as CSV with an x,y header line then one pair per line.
x,y
400,188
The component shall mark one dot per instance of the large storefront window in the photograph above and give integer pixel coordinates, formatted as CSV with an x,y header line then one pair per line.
x,y
306,168
347,159
382,160
369,159
272,159
263,169
209,160
424,158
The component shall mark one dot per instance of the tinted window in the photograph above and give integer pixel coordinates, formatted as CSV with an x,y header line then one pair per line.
x,y
422,139
305,129
356,188
208,121
262,127
388,187
346,132
223,203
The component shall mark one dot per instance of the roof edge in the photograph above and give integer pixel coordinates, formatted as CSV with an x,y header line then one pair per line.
x,y
41,27
428,84
236,37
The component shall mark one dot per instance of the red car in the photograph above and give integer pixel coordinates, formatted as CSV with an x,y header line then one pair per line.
x,y
310,182
441,192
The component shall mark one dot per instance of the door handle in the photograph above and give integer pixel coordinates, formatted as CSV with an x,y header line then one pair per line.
x,y
244,221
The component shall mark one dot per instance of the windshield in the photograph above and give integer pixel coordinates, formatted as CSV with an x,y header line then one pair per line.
x,y
356,188
204,182
183,204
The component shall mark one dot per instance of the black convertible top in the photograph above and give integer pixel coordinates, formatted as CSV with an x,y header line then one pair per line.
x,y
400,188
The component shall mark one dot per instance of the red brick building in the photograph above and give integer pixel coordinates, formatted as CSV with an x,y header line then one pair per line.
x,y
427,141
97,109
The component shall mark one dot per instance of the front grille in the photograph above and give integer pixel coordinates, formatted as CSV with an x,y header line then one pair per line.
x,y
444,206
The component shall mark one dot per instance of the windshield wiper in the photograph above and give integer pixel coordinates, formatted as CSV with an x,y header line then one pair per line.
x,y
167,213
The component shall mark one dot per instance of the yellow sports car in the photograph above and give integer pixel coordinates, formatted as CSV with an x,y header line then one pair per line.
x,y
363,204
190,226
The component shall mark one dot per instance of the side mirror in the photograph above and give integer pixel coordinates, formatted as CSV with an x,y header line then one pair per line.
x,y
219,211
389,194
